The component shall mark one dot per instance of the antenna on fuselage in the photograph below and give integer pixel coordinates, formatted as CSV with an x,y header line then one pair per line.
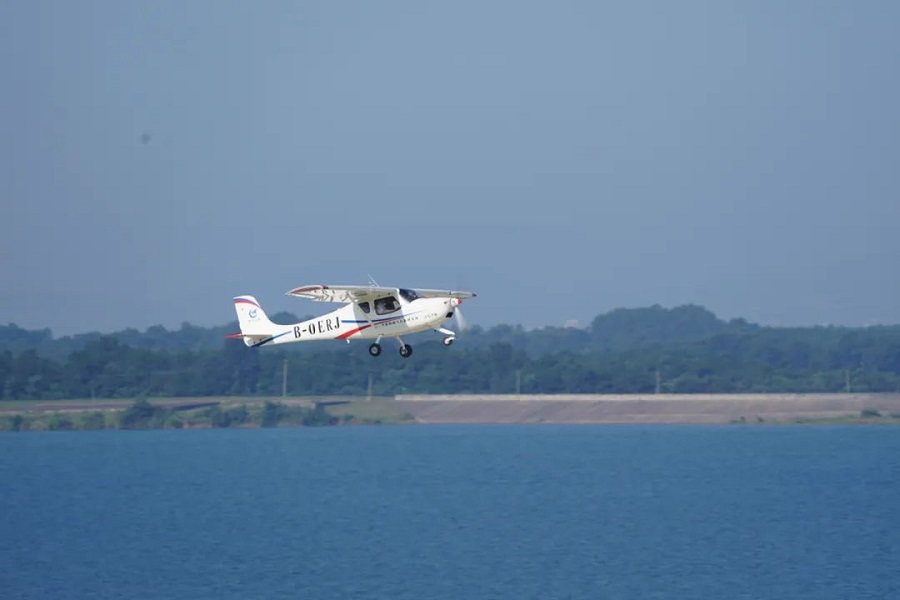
x,y
372,282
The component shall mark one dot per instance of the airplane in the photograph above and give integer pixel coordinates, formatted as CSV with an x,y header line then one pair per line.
x,y
371,312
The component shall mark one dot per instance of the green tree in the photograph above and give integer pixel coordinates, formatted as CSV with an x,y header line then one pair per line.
x,y
138,415
272,414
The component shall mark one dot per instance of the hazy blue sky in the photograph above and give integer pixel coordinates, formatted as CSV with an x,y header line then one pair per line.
x,y
561,159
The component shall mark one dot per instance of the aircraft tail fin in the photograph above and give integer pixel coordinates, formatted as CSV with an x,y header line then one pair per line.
x,y
255,325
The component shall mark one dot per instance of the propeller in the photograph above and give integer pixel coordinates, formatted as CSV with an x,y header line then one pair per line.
x,y
461,323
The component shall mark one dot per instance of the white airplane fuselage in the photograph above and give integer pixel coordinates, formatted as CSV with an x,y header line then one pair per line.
x,y
351,322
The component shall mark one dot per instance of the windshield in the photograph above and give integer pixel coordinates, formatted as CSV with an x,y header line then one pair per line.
x,y
408,295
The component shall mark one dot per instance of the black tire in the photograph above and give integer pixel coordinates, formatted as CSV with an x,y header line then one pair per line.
x,y
375,349
405,350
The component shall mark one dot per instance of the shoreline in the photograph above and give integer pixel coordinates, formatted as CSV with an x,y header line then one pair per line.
x,y
192,413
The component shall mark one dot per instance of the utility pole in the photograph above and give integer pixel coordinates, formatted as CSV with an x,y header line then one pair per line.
x,y
284,379
658,381
369,389
847,380
519,383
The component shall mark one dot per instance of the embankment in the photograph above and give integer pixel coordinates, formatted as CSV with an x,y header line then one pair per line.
x,y
637,408
475,408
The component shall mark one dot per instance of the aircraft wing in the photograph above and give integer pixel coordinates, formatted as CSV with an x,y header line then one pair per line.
x,y
340,293
361,293
444,294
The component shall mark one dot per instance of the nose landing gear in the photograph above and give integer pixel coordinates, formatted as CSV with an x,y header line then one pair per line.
x,y
449,335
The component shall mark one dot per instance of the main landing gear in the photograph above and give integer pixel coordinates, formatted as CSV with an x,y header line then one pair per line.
x,y
405,349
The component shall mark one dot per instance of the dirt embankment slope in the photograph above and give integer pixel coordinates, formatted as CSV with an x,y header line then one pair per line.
x,y
637,408
550,408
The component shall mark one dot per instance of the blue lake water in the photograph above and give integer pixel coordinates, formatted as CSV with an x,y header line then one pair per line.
x,y
453,512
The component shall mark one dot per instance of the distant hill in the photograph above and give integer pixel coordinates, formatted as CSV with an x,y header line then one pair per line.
x,y
620,330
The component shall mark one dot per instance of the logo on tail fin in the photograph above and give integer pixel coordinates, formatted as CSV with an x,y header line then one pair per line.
x,y
252,318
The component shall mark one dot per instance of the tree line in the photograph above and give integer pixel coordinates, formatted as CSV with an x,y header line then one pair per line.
x,y
685,349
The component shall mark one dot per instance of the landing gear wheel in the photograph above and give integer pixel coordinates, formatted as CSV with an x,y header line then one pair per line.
x,y
448,341
375,349
405,350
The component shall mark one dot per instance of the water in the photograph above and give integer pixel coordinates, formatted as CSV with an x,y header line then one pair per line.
x,y
453,512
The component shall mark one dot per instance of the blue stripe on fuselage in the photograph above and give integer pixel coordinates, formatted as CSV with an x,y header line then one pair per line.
x,y
267,340
382,320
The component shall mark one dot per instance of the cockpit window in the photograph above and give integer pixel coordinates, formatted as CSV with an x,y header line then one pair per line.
x,y
408,295
387,305
364,306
